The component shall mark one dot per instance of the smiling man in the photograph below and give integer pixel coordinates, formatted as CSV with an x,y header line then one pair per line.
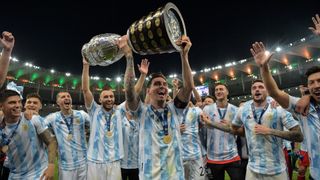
x,y
69,127
264,126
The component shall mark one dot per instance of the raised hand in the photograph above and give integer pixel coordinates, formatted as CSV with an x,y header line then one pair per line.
x,y
85,61
316,28
259,54
185,43
144,66
123,45
7,41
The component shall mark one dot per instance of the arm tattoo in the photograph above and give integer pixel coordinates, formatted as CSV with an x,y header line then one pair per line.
x,y
219,126
294,134
51,143
129,80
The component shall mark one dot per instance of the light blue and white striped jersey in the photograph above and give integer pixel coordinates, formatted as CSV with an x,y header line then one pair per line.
x,y
72,153
158,160
265,152
311,130
191,145
27,157
221,146
130,130
102,147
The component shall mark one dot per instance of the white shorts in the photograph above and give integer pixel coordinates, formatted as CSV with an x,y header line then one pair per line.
x,y
194,169
108,171
79,173
251,175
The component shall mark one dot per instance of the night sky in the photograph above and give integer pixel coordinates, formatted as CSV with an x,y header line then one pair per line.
x,y
50,35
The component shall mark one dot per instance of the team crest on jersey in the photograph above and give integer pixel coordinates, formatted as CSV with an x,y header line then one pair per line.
x,y
77,121
25,127
190,116
269,116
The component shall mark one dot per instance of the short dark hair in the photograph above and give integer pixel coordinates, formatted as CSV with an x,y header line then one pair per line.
x,y
222,84
211,97
5,94
155,75
34,95
256,80
60,93
312,70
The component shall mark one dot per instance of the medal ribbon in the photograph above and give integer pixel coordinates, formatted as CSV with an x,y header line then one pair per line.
x,y
224,114
108,120
7,139
69,125
255,115
185,115
164,120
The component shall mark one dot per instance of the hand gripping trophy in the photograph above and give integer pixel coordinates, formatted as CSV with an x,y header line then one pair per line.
x,y
155,33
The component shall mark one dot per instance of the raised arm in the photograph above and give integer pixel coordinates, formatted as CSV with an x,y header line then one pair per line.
x,y
197,96
51,143
87,94
316,28
7,42
188,84
262,59
131,95
175,85
143,69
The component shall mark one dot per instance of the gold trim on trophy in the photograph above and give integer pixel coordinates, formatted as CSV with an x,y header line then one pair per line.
x,y
159,32
163,42
141,36
140,26
154,43
137,47
133,39
145,45
150,34
158,13
132,29
157,22
148,24
167,139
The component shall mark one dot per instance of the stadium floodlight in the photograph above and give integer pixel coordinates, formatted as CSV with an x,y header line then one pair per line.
x,y
169,90
193,72
318,59
68,74
278,49
135,79
52,71
118,79
147,78
108,79
303,39
15,59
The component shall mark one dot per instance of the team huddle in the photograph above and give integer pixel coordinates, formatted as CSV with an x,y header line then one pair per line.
x,y
158,137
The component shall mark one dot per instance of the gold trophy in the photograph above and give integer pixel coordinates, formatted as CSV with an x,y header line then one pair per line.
x,y
155,33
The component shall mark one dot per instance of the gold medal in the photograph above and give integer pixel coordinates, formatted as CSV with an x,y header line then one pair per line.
x,y
109,133
167,139
5,148
69,137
